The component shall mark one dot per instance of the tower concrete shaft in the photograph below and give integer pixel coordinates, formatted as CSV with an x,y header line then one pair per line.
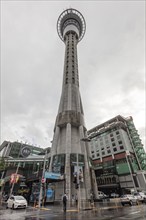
x,y
69,153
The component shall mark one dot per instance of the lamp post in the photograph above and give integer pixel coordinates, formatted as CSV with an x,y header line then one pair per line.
x,y
16,173
92,174
130,170
42,179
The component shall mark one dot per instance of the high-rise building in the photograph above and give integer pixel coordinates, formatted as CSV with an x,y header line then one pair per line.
x,y
118,156
69,151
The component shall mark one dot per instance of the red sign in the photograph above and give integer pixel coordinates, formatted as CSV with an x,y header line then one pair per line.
x,y
43,180
14,178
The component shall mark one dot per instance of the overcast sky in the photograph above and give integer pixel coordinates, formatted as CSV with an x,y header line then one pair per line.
x,y
111,66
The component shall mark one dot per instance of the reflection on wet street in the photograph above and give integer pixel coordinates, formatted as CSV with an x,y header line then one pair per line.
x,y
122,213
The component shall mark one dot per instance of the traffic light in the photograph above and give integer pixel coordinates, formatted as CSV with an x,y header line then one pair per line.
x,y
75,179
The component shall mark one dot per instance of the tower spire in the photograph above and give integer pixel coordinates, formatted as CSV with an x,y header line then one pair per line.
x,y
68,154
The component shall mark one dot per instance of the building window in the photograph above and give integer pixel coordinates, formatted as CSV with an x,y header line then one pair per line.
x,y
112,139
108,151
66,80
121,147
111,135
120,142
92,152
117,132
115,149
113,144
97,155
118,136
103,153
93,156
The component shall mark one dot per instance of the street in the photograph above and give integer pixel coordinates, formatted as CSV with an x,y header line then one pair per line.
x,y
56,213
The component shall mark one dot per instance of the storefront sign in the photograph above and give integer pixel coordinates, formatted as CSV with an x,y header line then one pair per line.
x,y
50,175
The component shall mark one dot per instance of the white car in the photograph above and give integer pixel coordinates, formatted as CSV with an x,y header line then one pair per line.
x,y
15,202
141,196
128,199
101,195
138,196
114,195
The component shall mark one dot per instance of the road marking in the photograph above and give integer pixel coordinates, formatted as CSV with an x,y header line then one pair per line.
x,y
75,210
134,212
44,209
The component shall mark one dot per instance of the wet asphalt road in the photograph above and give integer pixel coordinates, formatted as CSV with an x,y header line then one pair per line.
x,y
56,213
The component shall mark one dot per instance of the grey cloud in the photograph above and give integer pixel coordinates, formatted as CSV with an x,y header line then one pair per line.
x,y
111,63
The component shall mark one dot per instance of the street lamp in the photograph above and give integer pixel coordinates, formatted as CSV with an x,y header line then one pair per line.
x,y
85,139
92,173
42,180
130,170
16,173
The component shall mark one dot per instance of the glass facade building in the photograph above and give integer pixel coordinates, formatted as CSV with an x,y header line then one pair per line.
x,y
118,156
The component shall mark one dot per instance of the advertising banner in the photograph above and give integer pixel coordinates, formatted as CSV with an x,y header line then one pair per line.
x,y
54,176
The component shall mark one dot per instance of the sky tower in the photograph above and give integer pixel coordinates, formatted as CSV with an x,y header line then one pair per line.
x,y
69,152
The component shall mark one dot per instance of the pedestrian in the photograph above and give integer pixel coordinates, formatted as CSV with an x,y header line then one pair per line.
x,y
64,199
76,199
73,200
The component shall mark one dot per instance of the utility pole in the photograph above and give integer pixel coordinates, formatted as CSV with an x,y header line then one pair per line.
x,y
16,173
11,191
130,170
43,178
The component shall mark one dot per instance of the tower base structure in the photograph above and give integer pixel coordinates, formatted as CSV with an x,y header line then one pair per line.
x,y
72,163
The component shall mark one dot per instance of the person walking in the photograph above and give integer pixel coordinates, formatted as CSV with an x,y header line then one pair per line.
x,y
64,199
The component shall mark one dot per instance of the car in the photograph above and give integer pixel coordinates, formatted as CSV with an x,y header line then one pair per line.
x,y
139,196
143,195
102,195
128,199
114,195
15,202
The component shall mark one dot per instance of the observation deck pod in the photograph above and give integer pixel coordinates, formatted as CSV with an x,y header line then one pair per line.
x,y
71,20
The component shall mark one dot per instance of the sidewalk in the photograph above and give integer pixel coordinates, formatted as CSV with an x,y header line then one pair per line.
x,y
104,205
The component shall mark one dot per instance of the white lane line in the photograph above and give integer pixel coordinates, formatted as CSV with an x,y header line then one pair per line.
x,y
132,213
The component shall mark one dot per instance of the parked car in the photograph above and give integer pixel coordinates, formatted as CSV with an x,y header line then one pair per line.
x,y
15,202
128,199
114,195
138,196
143,196
102,195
